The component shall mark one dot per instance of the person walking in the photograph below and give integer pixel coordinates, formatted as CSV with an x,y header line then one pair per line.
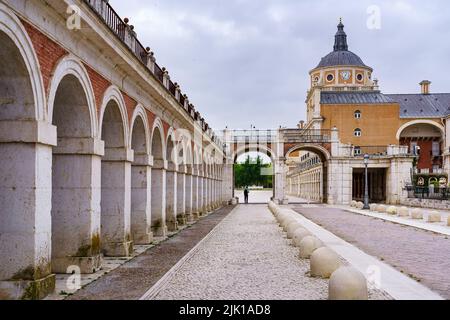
x,y
246,192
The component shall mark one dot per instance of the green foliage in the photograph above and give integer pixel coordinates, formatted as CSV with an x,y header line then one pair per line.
x,y
253,172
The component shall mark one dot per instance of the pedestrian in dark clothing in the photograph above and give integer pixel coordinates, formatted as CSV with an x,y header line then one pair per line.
x,y
246,192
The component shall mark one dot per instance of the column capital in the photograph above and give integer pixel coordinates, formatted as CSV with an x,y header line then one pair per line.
x,y
143,159
28,131
118,155
80,146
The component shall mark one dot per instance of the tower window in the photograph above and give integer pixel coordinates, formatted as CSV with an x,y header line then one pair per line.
x,y
330,77
359,77
358,132
357,114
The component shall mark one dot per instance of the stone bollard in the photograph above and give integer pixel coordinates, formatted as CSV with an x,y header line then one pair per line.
x,y
417,214
391,210
287,222
381,208
448,221
347,283
403,212
308,245
324,262
373,207
292,227
360,205
298,236
353,204
434,216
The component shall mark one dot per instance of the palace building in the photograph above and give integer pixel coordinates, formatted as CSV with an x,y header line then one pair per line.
x,y
344,96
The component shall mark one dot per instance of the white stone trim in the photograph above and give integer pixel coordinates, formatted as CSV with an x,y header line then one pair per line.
x,y
13,28
70,65
319,148
158,125
113,93
422,121
140,111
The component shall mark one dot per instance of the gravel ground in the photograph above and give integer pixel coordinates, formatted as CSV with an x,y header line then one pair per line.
x,y
132,279
246,258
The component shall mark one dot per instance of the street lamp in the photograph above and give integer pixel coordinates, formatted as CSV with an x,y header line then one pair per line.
x,y
366,183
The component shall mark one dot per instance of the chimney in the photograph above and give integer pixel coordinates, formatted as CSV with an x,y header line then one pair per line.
x,y
425,86
301,124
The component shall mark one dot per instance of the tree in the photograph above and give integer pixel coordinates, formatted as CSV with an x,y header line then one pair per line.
x,y
250,173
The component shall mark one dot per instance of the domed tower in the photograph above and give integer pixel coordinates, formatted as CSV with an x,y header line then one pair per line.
x,y
340,70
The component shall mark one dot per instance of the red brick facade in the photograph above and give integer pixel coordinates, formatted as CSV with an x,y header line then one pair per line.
x,y
99,85
47,51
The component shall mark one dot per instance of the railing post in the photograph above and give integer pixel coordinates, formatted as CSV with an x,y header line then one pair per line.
x,y
166,78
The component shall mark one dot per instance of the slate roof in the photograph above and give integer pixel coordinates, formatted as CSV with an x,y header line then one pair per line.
x,y
341,58
339,97
435,105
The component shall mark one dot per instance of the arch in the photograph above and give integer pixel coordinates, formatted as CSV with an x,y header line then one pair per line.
x,y
413,122
140,178
113,95
115,176
253,148
318,149
12,30
139,118
157,141
70,65
171,147
72,113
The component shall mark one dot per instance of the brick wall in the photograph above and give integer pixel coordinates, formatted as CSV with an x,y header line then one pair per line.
x,y
47,51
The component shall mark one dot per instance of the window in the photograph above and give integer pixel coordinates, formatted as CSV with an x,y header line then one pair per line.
x,y
436,149
358,132
330,77
357,151
359,77
357,114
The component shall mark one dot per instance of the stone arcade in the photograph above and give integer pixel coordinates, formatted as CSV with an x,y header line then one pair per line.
x,y
99,148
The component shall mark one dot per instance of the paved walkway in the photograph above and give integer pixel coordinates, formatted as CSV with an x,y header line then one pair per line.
x,y
421,254
133,278
247,257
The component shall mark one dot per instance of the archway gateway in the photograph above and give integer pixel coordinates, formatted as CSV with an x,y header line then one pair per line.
x,y
254,170
278,144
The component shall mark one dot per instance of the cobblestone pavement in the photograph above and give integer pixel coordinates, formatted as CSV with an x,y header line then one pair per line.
x,y
132,279
423,255
247,257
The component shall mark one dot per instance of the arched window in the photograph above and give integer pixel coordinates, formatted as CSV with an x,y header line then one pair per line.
x,y
358,132
357,114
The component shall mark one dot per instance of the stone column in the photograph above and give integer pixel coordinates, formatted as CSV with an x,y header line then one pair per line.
x,y
141,193
181,195
158,202
205,194
280,171
195,193
76,204
171,198
189,193
25,214
227,183
398,175
200,194
115,203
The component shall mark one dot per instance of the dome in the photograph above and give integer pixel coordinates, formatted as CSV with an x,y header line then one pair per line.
x,y
341,56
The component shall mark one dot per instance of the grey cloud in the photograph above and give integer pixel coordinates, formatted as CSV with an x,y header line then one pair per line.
x,y
245,62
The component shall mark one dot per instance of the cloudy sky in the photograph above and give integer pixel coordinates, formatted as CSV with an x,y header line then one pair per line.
x,y
246,62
